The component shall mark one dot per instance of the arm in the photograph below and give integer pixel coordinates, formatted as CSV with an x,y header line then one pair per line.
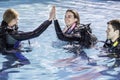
x,y
62,36
32,34
36,32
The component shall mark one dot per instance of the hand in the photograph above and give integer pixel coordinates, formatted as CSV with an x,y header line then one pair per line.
x,y
52,15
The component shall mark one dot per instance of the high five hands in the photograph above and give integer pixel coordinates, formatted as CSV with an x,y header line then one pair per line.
x,y
52,15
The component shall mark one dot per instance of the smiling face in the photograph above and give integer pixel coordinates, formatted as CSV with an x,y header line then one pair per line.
x,y
70,19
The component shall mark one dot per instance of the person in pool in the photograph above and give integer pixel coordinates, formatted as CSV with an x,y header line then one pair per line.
x,y
11,38
112,44
73,32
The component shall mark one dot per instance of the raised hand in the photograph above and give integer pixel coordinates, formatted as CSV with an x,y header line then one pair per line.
x,y
52,14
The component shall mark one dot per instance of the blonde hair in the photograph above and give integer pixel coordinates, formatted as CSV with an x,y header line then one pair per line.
x,y
9,15
76,15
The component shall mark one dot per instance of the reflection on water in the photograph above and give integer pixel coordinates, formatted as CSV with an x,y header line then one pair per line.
x,y
49,58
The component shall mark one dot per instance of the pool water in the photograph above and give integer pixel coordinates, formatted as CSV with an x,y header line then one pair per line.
x,y
49,61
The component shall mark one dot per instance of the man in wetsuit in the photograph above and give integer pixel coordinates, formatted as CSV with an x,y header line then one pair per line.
x,y
112,43
11,38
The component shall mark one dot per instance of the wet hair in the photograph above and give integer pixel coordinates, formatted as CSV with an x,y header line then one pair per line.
x,y
76,15
115,24
9,15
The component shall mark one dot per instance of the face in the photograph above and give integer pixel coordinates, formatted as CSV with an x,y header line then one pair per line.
x,y
111,33
69,18
13,22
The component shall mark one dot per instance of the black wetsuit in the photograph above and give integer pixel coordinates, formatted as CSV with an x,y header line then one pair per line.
x,y
12,38
79,35
113,48
64,37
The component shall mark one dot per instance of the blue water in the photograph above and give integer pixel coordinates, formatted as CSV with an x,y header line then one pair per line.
x,y
49,61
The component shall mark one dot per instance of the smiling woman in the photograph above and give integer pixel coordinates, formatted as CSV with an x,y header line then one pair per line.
x,y
74,32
